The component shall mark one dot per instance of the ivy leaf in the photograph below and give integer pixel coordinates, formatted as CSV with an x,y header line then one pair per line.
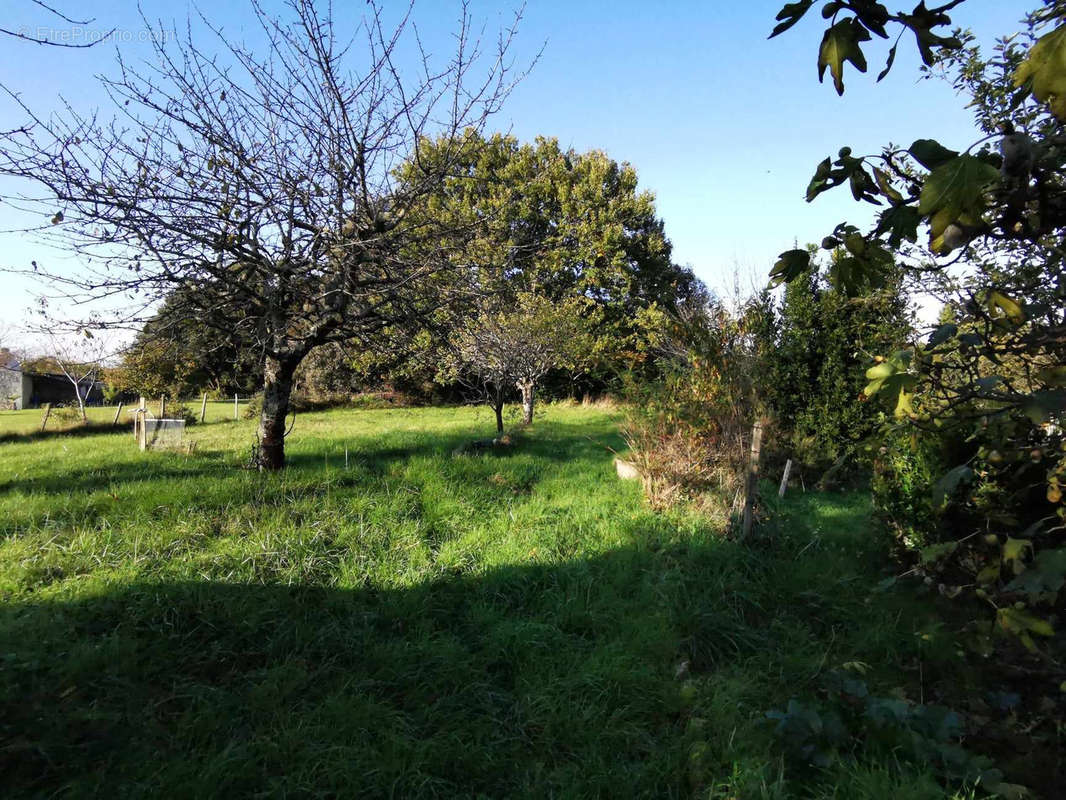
x,y
884,183
790,265
958,185
1021,622
1046,574
822,180
864,268
1053,376
839,44
989,574
949,484
922,21
790,15
1014,551
935,552
891,378
903,399
930,153
1044,71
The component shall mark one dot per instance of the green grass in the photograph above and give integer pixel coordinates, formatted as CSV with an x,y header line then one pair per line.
x,y
29,420
501,624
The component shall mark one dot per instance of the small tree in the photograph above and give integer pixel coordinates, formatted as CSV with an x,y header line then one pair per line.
x,y
518,345
80,361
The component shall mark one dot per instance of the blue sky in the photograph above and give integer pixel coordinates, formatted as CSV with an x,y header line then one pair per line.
x,y
722,125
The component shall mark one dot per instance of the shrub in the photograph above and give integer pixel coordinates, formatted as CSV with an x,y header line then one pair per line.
x,y
176,410
66,415
904,469
254,407
978,511
687,432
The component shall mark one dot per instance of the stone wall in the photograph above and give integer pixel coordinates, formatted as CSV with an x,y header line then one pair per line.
x,y
15,389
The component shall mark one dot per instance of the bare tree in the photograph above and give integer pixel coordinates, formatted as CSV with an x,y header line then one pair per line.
x,y
267,183
80,359
518,345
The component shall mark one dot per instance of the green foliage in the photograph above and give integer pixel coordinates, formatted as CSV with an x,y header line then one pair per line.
x,y
688,432
561,225
817,343
844,37
177,354
66,415
980,398
904,469
849,723
183,412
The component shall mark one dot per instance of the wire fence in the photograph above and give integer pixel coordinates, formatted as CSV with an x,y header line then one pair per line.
x,y
56,417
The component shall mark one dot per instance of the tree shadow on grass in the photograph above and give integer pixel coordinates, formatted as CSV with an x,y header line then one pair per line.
x,y
541,680
74,432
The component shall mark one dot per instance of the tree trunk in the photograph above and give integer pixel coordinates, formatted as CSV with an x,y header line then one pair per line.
x,y
277,388
81,401
526,387
498,408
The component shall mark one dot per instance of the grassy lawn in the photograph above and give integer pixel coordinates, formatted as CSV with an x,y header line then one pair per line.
x,y
29,420
497,624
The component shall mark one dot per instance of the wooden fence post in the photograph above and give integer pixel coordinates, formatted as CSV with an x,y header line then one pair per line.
x,y
44,419
784,478
118,413
162,406
235,408
203,409
138,421
752,487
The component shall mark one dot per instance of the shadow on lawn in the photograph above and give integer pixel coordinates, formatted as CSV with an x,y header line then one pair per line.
x,y
76,431
532,680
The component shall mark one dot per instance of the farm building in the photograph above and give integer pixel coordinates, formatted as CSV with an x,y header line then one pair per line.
x,y
23,389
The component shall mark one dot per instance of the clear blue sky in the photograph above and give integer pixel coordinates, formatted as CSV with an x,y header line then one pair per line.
x,y
722,125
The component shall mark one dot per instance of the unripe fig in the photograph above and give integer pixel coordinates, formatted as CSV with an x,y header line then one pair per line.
x,y
955,236
1017,151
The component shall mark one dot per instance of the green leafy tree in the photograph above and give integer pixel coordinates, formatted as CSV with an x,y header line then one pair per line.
x,y
562,225
175,354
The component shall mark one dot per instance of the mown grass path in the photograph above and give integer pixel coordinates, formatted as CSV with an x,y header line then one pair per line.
x,y
501,624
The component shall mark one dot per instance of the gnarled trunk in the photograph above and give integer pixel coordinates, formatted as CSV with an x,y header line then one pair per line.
x,y
277,388
526,386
